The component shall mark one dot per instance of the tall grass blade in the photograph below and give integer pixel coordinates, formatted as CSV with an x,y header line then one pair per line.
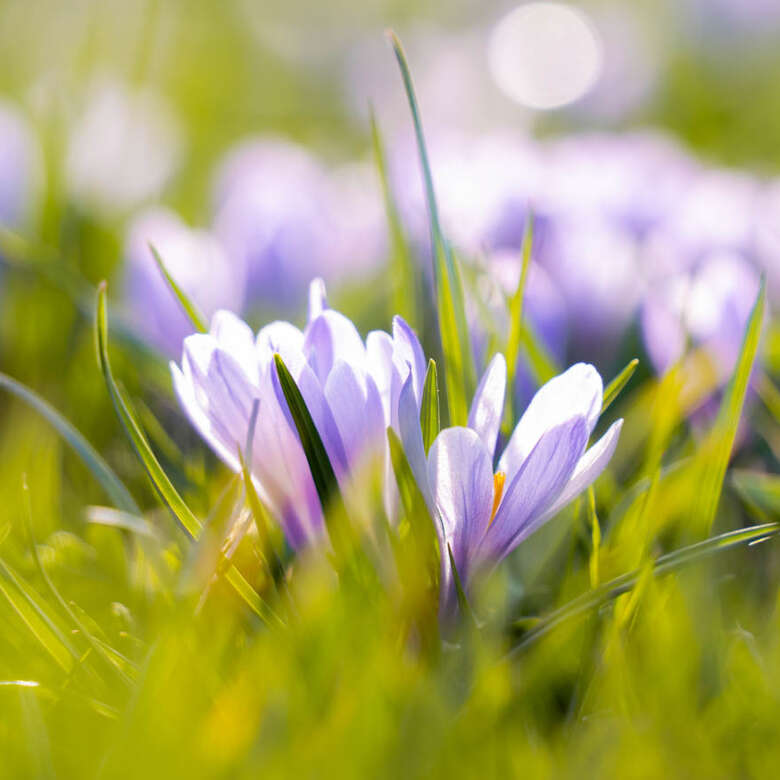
x,y
714,455
516,305
625,582
402,265
459,371
319,463
102,472
190,309
165,489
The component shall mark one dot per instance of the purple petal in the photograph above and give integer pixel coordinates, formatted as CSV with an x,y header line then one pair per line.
x,y
411,438
407,350
575,392
330,337
587,470
461,476
318,298
537,484
235,336
487,407
357,410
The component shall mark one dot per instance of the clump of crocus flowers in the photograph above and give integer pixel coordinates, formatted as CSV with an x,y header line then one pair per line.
x,y
355,390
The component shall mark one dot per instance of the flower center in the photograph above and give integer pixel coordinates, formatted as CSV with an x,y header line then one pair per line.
x,y
499,478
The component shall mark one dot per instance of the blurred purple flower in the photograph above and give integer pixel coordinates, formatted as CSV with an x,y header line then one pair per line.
x,y
287,218
20,168
195,259
709,307
483,515
351,390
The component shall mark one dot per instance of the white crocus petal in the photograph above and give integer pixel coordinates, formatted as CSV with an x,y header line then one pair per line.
x,y
460,474
487,407
212,434
588,469
235,336
575,392
379,361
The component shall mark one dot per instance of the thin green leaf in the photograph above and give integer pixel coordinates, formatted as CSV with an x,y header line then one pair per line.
x,y
516,304
317,457
460,375
165,489
115,518
463,602
713,458
190,309
615,387
113,486
595,535
429,409
402,264
663,565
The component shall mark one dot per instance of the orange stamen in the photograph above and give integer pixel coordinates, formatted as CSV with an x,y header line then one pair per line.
x,y
498,491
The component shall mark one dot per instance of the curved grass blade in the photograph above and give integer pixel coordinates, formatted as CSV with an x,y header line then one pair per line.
x,y
102,472
758,489
622,584
165,489
190,309
713,458
402,264
460,375
516,305
615,387
322,472
429,410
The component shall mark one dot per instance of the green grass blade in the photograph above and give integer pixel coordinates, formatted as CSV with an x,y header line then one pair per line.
x,y
622,584
516,306
322,471
165,489
402,265
429,410
459,373
190,309
615,387
713,458
102,472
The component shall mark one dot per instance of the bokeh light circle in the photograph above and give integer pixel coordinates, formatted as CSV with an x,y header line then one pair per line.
x,y
545,55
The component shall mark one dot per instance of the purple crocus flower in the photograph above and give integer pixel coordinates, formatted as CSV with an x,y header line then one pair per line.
x,y
483,515
350,388
709,306
195,259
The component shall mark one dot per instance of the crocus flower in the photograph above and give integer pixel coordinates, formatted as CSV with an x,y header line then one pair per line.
x,y
197,261
709,306
20,167
350,388
284,215
122,150
482,514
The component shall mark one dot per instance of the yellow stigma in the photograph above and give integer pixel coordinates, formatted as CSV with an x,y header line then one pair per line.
x,y
498,490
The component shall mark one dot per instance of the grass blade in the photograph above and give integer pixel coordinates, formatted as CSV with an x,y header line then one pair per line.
x,y
102,472
429,410
615,387
713,459
663,565
165,489
516,306
402,265
460,375
190,309
319,463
